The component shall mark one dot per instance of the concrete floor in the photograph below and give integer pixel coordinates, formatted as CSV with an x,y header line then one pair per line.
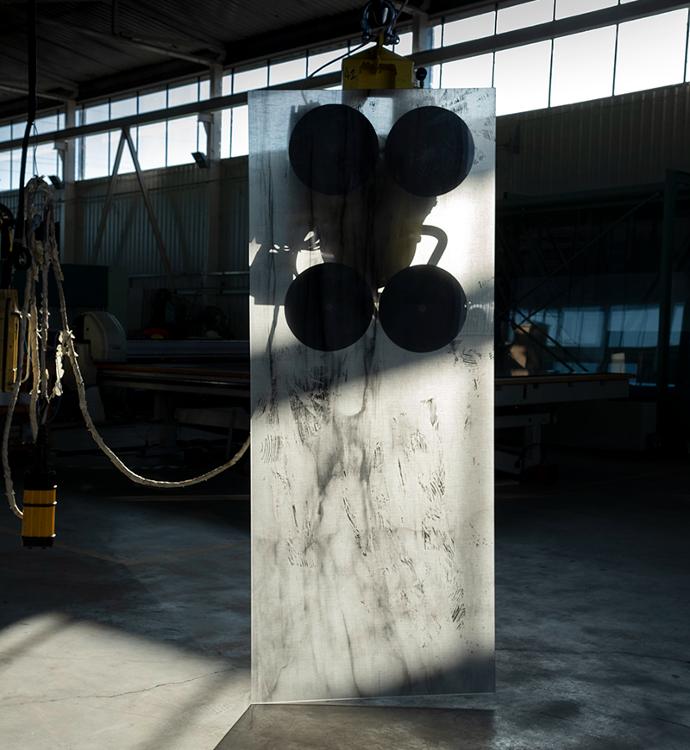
x,y
133,633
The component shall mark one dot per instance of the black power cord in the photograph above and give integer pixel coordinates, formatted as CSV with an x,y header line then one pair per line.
x,y
19,253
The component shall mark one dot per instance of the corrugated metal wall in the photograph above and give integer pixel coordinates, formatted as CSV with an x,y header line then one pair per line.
x,y
622,141
180,199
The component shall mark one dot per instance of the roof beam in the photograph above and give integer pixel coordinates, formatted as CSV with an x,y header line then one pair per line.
x,y
561,27
123,39
16,89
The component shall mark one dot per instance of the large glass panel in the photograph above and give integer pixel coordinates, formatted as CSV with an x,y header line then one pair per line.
x,y
286,71
471,72
521,77
152,145
565,8
240,132
317,59
651,51
583,66
245,80
466,29
204,89
182,140
524,14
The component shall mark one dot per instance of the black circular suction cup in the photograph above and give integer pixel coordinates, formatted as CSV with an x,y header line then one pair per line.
x,y
333,149
329,306
429,151
422,308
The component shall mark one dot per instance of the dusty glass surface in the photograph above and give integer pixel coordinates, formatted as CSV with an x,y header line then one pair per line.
x,y
371,337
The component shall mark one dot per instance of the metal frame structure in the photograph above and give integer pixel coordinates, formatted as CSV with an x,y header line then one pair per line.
x,y
423,56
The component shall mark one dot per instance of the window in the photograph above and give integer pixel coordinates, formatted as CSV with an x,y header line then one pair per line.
x,y
317,59
583,66
245,80
289,70
122,108
521,78
152,145
471,72
240,131
182,140
651,51
5,160
94,156
565,8
466,29
526,14
581,327
404,46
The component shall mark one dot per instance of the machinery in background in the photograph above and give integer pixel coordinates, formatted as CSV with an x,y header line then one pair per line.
x,y
104,334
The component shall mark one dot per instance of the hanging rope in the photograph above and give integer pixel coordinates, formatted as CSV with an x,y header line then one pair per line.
x,y
32,356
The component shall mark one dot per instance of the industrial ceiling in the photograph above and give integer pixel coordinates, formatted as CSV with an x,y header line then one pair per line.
x,y
93,48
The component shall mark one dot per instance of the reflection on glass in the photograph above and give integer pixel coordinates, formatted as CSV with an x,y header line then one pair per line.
x,y
521,77
651,51
583,66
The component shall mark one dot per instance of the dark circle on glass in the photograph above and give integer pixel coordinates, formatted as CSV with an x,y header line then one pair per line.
x,y
422,308
329,307
429,151
333,149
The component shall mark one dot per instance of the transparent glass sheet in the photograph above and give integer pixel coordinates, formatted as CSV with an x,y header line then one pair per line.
x,y
371,274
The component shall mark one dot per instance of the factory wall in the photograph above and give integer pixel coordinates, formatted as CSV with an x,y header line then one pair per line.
x,y
627,140
620,141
